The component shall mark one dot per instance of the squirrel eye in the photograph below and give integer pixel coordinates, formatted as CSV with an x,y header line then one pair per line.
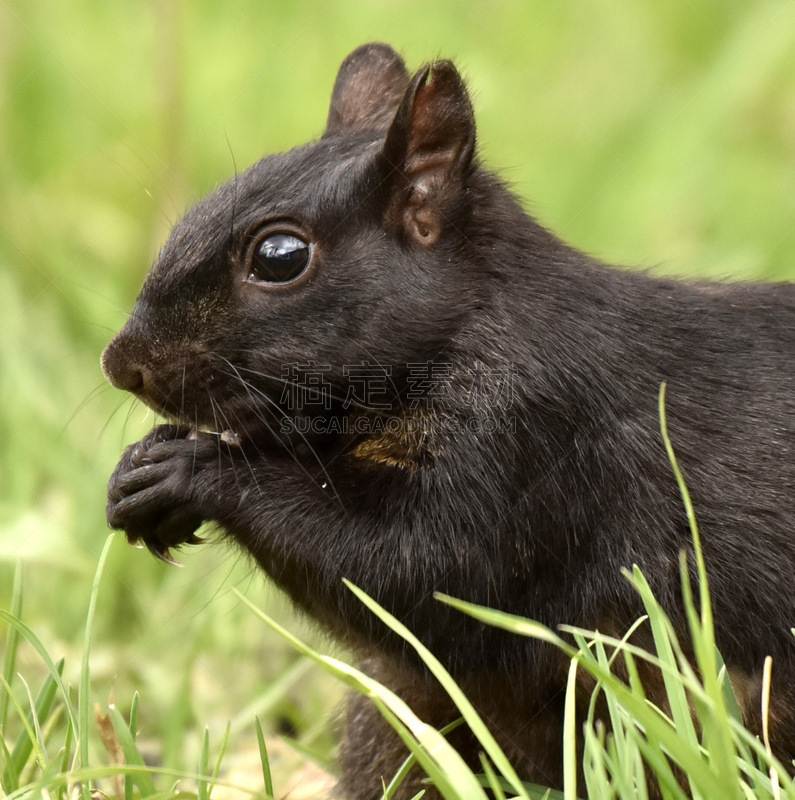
x,y
278,258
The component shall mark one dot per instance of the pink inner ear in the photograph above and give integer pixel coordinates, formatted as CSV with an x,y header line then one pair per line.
x,y
442,126
429,146
369,86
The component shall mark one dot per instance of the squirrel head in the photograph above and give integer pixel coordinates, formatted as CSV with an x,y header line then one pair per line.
x,y
348,250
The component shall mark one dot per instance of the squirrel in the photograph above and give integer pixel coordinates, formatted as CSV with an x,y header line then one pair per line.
x,y
376,366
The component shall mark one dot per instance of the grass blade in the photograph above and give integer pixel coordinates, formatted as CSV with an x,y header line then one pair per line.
x,y
48,662
715,718
31,739
9,777
221,752
451,780
12,644
203,791
83,696
39,710
570,734
484,736
267,778
133,728
406,766
492,781
434,753
132,756
656,727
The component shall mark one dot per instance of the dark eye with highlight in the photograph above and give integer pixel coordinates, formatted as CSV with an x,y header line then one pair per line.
x,y
279,258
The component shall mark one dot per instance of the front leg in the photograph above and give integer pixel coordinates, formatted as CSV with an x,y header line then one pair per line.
x,y
162,489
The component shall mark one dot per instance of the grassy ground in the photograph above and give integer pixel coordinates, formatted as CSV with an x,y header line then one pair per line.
x,y
656,135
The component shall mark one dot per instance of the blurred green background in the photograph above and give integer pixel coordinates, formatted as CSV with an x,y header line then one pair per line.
x,y
657,135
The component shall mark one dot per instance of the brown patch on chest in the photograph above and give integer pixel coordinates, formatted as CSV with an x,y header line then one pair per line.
x,y
404,441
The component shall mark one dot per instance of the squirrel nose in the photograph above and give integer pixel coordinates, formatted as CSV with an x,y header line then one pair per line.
x,y
122,371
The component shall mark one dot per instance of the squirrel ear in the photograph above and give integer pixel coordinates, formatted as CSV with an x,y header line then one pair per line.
x,y
369,85
429,150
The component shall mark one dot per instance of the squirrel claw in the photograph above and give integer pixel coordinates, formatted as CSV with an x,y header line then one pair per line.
x,y
164,555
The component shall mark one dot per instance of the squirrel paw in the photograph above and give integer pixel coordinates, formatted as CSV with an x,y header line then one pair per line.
x,y
151,494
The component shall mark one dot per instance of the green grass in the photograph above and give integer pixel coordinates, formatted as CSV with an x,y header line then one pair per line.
x,y
58,739
657,135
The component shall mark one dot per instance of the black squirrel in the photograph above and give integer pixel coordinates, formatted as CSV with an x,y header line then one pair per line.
x,y
378,367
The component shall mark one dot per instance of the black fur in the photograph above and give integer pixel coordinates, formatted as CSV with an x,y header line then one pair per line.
x,y
420,255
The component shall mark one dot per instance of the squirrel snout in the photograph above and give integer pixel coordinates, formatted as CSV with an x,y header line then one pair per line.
x,y
122,371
